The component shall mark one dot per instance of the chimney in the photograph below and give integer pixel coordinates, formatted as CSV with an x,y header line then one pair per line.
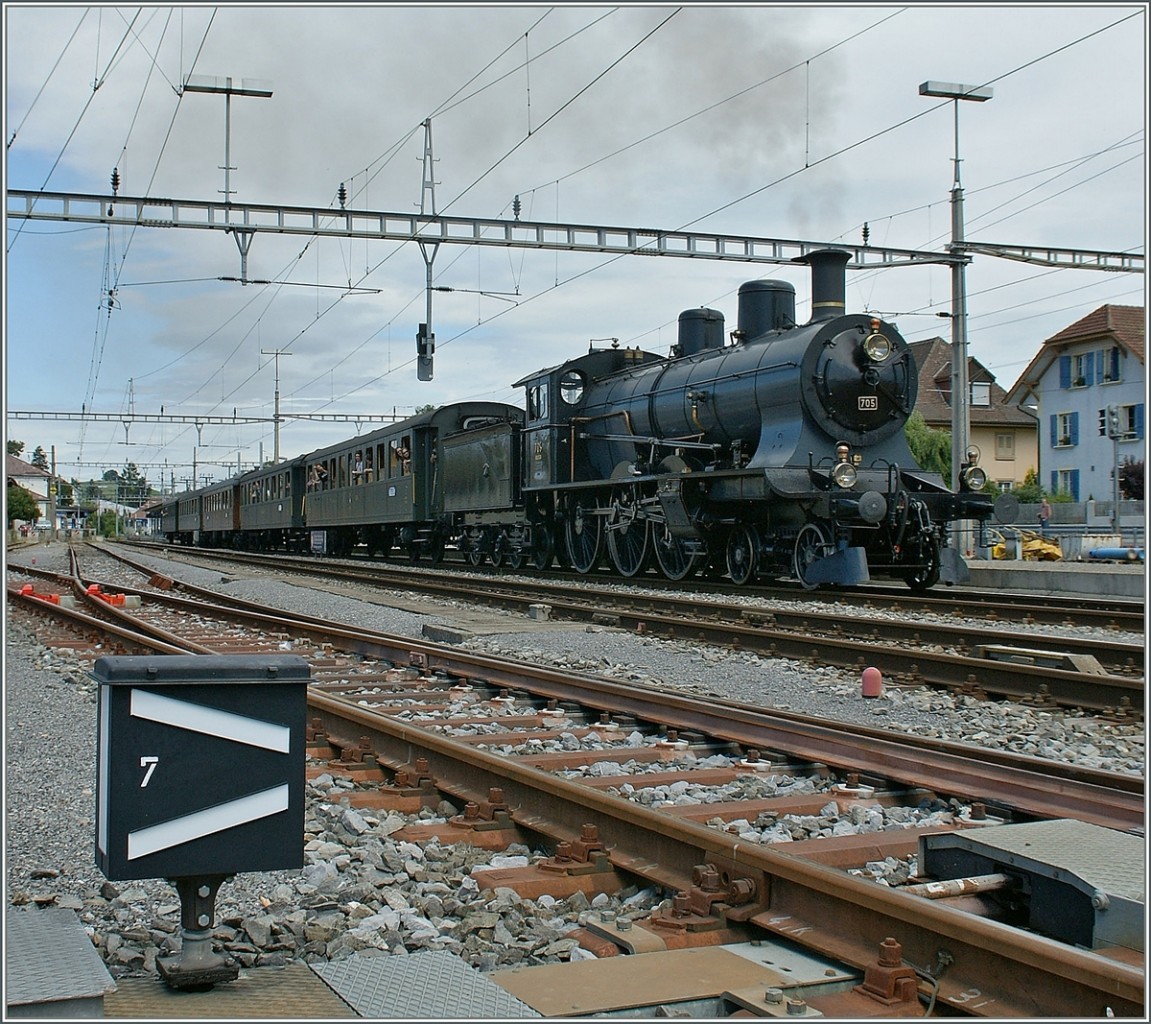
x,y
828,282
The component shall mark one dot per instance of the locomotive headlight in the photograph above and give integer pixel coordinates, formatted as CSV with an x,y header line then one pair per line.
x,y
877,347
974,478
844,475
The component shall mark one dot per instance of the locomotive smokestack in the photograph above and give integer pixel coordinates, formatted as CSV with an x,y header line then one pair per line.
x,y
828,282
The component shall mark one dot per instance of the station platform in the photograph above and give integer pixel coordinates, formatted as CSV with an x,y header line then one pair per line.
x,y
1090,579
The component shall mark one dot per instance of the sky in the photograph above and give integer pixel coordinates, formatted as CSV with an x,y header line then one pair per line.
x,y
789,121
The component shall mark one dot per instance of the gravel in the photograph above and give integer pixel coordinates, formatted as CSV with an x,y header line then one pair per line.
x,y
363,890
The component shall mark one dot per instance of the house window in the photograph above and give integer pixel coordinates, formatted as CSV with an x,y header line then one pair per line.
x,y
981,393
1066,431
1131,422
1081,370
1005,446
1066,481
1108,364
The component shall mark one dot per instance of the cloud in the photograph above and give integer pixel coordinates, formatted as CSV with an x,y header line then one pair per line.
x,y
798,122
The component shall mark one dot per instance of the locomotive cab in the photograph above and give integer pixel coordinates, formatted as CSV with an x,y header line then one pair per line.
x,y
555,400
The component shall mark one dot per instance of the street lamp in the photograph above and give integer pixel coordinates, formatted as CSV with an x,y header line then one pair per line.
x,y
960,397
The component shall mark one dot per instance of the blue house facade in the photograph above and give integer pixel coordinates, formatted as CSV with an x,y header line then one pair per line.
x,y
1088,384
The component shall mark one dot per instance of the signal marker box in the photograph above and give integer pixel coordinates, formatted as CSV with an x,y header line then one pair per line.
x,y
200,764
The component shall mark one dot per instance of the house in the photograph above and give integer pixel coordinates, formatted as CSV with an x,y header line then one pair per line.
x,y
1005,434
1089,385
32,479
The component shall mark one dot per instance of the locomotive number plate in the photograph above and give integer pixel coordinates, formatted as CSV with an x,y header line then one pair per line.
x,y
868,403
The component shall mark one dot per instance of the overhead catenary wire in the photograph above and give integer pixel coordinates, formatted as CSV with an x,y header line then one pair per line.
x,y
311,327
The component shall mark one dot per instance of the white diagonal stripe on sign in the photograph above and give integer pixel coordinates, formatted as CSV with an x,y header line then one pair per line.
x,y
181,714
204,823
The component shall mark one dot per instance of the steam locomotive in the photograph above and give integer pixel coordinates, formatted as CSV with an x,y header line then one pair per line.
x,y
779,451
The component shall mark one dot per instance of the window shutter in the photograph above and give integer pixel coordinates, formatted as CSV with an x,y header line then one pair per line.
x,y
1139,421
1073,426
1054,421
1074,475
1065,371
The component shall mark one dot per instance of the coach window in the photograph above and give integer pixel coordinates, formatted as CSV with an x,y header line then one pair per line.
x,y
367,465
402,456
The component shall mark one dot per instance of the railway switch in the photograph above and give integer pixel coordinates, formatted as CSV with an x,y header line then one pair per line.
x,y
1078,883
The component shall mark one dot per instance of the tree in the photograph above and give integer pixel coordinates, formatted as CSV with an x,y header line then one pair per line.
x,y
1131,479
107,525
931,447
22,505
1029,492
421,409
16,448
133,486
39,459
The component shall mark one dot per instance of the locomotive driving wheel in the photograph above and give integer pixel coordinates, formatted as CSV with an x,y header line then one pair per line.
x,y
583,535
628,535
675,560
812,544
742,553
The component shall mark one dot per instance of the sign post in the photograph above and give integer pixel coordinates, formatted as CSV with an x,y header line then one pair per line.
x,y
200,775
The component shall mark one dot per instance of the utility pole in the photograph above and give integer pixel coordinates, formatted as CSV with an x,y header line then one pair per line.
x,y
425,337
960,399
960,386
53,486
276,414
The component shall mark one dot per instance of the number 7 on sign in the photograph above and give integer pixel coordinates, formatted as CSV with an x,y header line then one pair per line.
x,y
150,763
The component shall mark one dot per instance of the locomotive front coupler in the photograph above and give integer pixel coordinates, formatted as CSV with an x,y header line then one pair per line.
x,y
198,967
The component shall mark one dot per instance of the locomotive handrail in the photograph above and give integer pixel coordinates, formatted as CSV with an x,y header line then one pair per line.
x,y
659,442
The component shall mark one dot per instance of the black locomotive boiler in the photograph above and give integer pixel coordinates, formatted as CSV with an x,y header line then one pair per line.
x,y
778,451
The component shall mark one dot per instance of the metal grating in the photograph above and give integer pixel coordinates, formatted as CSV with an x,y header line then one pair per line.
x,y
1103,858
430,985
292,992
49,959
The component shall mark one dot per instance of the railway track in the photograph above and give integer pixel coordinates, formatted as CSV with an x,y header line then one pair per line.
x,y
518,748
1103,614
1100,675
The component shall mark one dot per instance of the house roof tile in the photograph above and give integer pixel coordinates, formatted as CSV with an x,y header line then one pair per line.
x,y
1126,324
933,360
